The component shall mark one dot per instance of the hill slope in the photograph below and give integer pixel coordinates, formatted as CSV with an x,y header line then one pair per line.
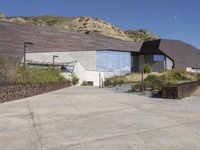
x,y
83,24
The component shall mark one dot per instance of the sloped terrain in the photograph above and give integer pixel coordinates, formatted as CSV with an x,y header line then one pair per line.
x,y
83,24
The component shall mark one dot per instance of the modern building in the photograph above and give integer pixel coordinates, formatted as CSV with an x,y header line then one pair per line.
x,y
92,56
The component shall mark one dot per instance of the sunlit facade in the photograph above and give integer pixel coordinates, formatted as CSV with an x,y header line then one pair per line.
x,y
113,61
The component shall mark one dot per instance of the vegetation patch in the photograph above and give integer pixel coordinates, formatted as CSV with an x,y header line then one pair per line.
x,y
13,73
74,78
87,83
129,78
147,68
36,75
153,81
141,35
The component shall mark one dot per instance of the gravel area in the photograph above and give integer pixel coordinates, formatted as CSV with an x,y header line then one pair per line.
x,y
129,88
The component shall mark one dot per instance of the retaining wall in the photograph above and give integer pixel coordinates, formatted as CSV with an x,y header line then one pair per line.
x,y
14,92
179,91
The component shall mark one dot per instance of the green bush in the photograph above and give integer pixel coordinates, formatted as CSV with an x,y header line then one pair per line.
x,y
74,78
171,77
113,81
12,73
87,83
147,68
154,82
36,75
175,76
108,82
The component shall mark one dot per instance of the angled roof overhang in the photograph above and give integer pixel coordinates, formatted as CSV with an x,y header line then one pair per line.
x,y
183,54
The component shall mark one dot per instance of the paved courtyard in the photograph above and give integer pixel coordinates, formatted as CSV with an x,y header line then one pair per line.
x,y
88,118
197,92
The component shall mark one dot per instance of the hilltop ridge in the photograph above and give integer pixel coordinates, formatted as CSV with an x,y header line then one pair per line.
x,y
83,24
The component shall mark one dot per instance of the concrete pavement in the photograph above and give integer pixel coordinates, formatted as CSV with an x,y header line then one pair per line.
x,y
89,118
197,92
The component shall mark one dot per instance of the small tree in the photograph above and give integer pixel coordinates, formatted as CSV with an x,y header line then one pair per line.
x,y
74,78
147,68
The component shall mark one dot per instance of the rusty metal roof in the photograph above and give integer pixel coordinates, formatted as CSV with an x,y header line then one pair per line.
x,y
47,39
183,54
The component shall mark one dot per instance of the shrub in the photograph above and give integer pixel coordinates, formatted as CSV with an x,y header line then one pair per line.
x,y
74,78
107,82
12,73
175,76
113,81
36,75
129,78
87,83
147,68
154,82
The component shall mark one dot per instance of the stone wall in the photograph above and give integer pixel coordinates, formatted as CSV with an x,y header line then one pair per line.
x,y
179,91
14,92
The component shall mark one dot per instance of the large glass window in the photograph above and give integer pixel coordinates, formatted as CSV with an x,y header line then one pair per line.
x,y
113,61
158,57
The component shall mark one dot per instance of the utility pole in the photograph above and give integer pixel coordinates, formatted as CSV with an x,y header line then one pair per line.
x,y
142,72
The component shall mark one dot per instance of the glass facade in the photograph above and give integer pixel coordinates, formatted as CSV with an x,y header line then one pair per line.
x,y
158,58
113,61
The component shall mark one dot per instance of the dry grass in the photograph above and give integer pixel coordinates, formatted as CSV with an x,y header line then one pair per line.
x,y
167,77
134,77
190,76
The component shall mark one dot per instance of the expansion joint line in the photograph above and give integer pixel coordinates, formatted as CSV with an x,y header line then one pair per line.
x,y
34,126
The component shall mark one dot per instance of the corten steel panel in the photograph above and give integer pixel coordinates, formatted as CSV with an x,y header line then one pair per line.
x,y
151,47
47,39
183,54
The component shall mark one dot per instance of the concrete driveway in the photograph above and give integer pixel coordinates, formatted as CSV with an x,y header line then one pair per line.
x,y
88,118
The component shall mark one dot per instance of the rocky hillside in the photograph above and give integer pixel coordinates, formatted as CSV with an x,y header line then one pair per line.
x,y
83,24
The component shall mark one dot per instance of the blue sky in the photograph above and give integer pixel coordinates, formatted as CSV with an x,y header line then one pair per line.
x,y
171,19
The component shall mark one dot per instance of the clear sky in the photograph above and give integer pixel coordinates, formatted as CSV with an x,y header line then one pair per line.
x,y
171,19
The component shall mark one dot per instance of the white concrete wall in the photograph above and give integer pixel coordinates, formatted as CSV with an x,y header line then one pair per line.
x,y
95,76
193,70
169,63
85,75
80,72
